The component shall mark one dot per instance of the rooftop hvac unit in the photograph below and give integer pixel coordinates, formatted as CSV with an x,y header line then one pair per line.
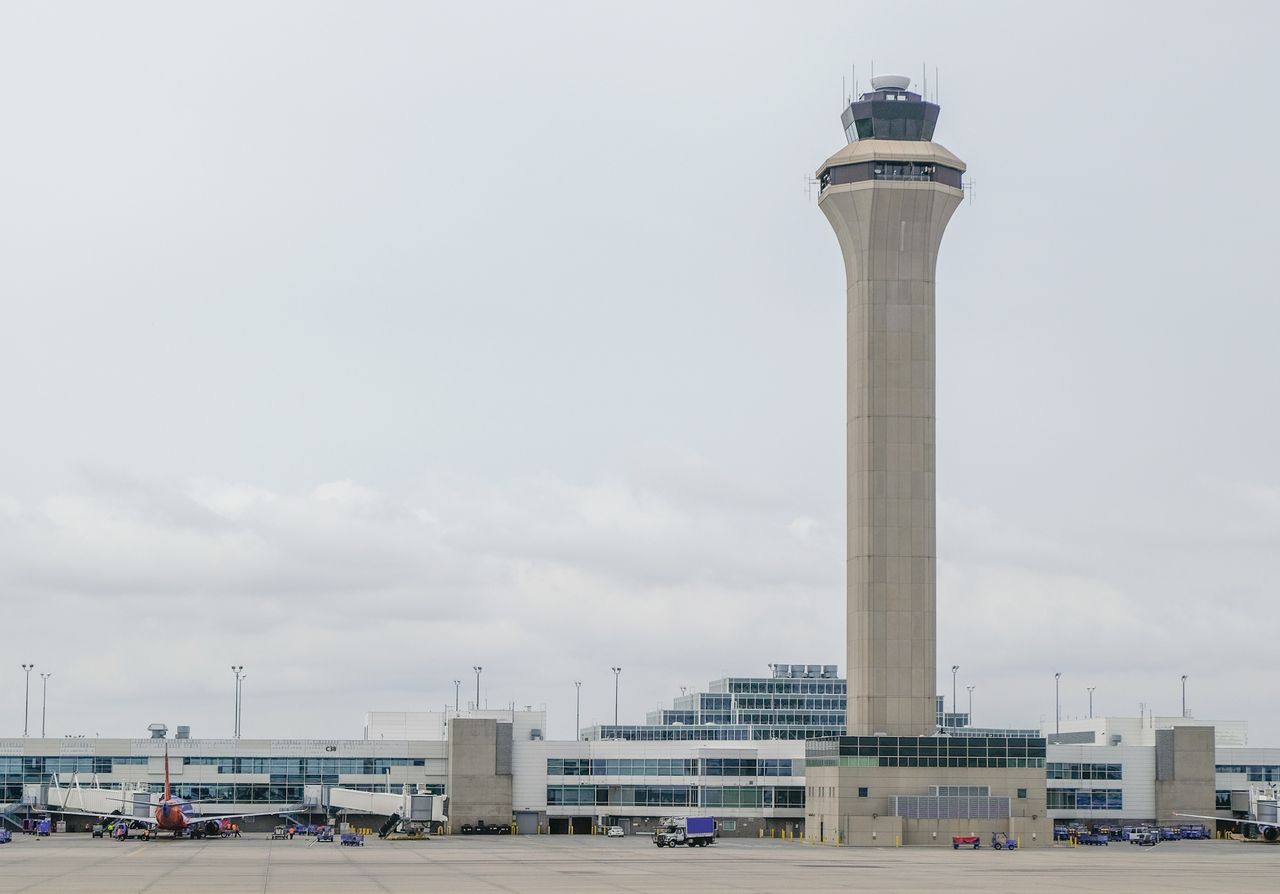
x,y
535,733
158,730
184,732
1116,739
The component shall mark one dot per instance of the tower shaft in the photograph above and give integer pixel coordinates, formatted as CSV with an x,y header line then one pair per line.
x,y
889,201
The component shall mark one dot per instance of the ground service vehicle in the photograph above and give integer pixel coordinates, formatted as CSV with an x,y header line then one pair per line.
x,y
1001,841
614,832
694,831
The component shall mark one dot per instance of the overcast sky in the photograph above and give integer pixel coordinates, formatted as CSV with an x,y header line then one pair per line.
x,y
363,343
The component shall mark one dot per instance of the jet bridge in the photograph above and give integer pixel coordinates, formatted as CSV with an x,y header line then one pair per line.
x,y
94,799
413,807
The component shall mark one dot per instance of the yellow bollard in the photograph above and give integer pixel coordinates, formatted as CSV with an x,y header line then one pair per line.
x,y
897,841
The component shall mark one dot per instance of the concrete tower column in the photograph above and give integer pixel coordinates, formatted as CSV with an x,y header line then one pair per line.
x,y
889,195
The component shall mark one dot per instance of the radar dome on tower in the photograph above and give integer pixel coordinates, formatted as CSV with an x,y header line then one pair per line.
x,y
890,82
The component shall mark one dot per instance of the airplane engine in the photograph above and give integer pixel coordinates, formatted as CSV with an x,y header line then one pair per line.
x,y
211,829
1270,833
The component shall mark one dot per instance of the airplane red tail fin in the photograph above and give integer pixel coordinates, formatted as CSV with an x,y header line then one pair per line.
x,y
166,773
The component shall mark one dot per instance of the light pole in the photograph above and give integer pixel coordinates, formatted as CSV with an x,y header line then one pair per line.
x,y
577,710
1091,688
477,668
240,705
955,707
1184,695
26,705
1057,705
44,699
457,688
237,669
970,687
616,672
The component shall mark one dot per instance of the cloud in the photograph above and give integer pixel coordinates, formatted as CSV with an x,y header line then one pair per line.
x,y
342,595
342,598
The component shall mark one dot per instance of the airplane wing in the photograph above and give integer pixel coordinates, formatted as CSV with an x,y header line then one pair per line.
x,y
1252,822
145,820
205,818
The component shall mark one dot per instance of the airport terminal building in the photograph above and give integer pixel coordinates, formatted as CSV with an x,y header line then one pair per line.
x,y
716,757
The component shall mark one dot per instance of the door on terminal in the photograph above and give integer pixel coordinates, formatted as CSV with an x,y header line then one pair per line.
x,y
527,822
558,825
581,825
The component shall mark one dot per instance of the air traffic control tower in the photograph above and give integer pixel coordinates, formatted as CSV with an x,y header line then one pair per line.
x,y
888,195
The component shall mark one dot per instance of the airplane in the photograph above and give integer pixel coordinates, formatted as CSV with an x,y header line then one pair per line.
x,y
174,814
1269,830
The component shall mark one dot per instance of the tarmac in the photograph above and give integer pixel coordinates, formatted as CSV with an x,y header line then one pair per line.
x,y
74,862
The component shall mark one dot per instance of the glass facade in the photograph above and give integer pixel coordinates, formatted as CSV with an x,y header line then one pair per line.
x,y
1086,799
663,767
676,796
287,775
1255,772
988,752
1057,770
799,701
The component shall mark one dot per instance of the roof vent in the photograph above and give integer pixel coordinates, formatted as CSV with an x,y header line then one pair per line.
x,y
184,732
158,730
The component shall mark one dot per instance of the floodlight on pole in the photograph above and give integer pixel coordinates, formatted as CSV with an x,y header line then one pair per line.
x,y
955,707
44,699
1091,688
26,705
1057,704
577,710
616,672
970,687
1184,695
477,668
238,670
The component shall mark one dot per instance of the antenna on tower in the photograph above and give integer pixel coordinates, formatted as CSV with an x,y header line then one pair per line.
x,y
853,73
924,80
935,85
